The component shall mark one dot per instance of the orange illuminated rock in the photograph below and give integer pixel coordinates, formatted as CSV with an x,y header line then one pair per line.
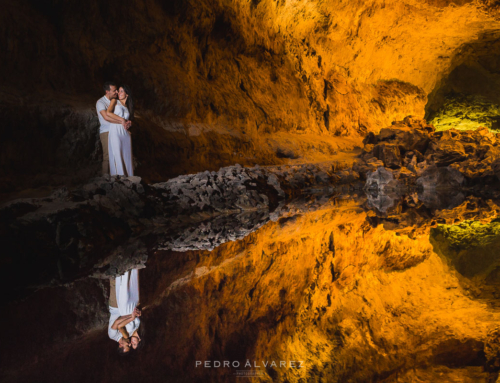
x,y
224,82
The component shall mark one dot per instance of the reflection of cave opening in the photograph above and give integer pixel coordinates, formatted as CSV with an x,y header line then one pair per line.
x,y
469,95
470,246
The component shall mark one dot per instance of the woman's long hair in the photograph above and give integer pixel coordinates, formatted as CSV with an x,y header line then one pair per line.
x,y
142,332
130,101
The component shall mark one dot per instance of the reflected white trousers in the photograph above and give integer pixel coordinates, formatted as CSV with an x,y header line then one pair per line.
x,y
127,291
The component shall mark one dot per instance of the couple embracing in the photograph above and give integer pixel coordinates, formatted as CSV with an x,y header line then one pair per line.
x,y
116,112
124,316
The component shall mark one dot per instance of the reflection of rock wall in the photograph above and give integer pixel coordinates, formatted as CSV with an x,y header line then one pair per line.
x,y
59,316
108,220
471,247
111,224
324,286
470,236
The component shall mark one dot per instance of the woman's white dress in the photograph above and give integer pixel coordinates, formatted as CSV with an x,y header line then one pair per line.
x,y
120,145
127,297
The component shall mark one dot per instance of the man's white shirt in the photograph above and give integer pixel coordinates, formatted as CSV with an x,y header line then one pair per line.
x,y
130,327
103,104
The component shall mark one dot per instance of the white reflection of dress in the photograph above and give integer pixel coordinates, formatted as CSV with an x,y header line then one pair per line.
x,y
120,145
127,297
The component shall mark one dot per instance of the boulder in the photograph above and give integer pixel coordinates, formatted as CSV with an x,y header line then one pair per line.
x,y
434,177
446,152
381,179
389,154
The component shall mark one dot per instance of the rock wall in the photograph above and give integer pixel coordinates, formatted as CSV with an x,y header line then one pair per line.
x,y
217,83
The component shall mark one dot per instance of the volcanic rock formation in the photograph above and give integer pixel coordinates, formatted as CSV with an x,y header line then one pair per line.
x,y
411,154
317,181
225,82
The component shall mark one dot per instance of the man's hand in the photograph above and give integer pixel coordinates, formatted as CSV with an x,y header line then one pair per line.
x,y
136,313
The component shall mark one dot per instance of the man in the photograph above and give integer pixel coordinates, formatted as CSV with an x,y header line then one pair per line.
x,y
102,105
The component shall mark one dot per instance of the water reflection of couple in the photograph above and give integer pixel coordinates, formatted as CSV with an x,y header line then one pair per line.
x,y
124,320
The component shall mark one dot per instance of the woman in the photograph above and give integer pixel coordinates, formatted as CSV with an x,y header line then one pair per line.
x,y
136,342
119,139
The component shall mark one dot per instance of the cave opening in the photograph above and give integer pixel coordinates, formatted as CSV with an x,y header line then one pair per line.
x,y
467,96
